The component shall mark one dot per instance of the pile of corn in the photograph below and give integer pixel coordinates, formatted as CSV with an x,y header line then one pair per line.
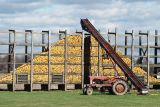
x,y
74,71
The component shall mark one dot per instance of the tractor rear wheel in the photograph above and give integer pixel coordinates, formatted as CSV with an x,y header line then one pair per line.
x,y
120,87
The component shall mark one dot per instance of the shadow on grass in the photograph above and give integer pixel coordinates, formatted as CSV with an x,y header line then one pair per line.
x,y
97,93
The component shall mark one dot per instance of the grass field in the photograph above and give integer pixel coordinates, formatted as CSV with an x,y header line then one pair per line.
x,y
76,99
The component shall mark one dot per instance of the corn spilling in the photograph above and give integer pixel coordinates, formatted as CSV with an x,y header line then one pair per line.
x,y
40,70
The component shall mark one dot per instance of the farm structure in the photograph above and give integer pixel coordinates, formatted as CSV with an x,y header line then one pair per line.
x,y
50,64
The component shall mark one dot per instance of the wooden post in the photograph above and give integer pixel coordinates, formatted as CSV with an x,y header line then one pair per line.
x,y
132,48
115,73
43,41
65,62
140,49
10,50
31,68
99,47
126,38
109,41
115,35
156,51
49,61
132,51
99,57
148,57
60,35
87,58
82,61
26,47
116,39
14,61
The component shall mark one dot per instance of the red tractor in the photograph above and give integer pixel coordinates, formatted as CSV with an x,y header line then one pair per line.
x,y
114,85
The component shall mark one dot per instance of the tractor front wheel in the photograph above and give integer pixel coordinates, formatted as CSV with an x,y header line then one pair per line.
x,y
89,91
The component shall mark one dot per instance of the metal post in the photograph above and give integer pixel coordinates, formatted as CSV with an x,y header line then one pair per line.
x,y
14,61
31,68
49,61
148,57
82,61
65,62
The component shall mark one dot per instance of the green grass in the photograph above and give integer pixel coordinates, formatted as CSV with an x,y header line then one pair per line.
x,y
76,99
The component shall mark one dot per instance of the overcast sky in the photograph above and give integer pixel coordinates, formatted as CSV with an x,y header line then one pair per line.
x,y
66,14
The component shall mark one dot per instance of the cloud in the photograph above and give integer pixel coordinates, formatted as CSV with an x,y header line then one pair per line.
x,y
84,2
18,6
43,14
